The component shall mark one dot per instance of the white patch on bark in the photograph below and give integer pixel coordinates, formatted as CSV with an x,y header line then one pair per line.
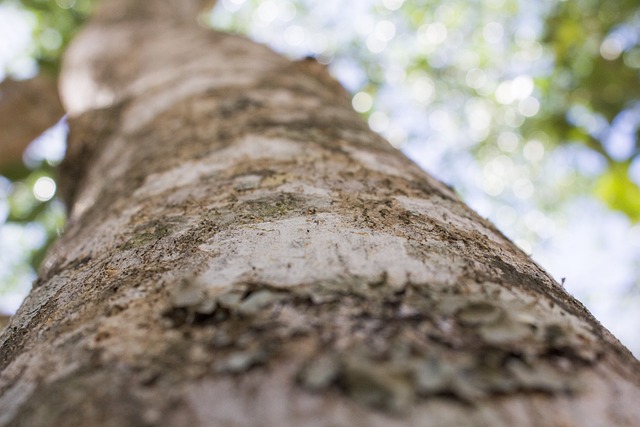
x,y
80,89
251,147
146,70
306,250
207,74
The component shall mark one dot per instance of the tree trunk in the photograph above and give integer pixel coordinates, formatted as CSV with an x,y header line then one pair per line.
x,y
243,251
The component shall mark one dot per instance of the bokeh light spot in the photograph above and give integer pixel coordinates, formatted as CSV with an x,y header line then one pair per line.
x,y
434,33
529,107
375,44
611,48
476,78
504,94
51,39
378,121
294,35
533,151
396,135
385,30
493,32
523,188
44,188
522,87
493,185
508,142
287,11
362,102
392,4
422,89
66,4
267,11
232,5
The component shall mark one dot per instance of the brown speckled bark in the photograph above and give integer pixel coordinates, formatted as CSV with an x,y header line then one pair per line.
x,y
244,251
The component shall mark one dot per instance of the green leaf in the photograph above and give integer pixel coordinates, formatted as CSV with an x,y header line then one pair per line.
x,y
15,172
617,190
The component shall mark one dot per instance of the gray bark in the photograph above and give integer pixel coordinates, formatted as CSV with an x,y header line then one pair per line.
x,y
243,251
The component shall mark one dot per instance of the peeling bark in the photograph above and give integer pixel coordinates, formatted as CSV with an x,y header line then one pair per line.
x,y
244,251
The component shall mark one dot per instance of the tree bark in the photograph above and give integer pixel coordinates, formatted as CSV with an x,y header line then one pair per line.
x,y
243,251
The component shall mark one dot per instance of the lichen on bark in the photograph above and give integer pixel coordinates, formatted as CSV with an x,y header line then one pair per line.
x,y
387,346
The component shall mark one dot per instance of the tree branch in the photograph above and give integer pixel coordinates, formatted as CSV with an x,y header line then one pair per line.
x,y
27,108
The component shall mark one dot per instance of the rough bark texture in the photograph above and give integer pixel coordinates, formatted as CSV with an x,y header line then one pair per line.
x,y
244,251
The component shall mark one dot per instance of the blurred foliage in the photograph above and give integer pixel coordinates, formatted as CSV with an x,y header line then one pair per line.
x,y
596,76
618,191
587,77
24,209
56,23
